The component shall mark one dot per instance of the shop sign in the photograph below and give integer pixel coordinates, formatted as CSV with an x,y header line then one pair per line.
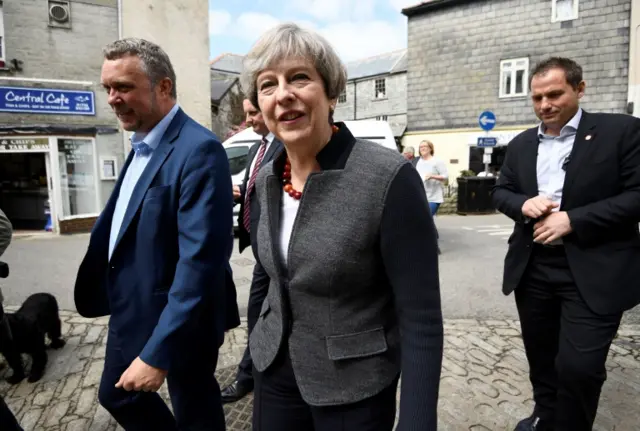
x,y
47,101
24,145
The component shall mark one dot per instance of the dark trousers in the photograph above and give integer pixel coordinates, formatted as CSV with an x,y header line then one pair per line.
x,y
257,293
8,421
278,405
565,341
194,391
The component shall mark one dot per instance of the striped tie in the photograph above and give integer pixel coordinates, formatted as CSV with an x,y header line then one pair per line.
x,y
246,217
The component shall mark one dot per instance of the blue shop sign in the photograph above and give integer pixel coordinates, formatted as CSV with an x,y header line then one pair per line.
x,y
47,101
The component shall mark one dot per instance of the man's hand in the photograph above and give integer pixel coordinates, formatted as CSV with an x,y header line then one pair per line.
x,y
538,206
141,377
554,226
236,192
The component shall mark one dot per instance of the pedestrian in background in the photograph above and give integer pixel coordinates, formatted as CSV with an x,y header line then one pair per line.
x,y
344,314
572,186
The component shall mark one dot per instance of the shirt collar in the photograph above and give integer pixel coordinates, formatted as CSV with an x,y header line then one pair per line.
x,y
270,137
570,127
152,139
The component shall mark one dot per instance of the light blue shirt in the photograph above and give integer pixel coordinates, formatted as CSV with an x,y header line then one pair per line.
x,y
553,153
135,170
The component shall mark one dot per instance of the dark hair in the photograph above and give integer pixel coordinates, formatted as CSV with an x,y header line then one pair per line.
x,y
572,70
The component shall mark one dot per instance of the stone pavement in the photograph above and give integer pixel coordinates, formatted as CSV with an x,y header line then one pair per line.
x,y
484,382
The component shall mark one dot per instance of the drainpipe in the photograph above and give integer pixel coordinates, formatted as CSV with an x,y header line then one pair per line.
x,y
633,98
355,100
125,141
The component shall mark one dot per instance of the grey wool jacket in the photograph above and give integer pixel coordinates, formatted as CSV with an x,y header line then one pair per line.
x,y
351,302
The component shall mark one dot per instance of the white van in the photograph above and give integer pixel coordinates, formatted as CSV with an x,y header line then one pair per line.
x,y
238,145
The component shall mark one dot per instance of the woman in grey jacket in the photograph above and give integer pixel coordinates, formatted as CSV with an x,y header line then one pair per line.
x,y
345,313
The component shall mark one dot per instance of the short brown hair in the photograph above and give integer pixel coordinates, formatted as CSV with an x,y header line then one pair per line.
x,y
429,144
572,70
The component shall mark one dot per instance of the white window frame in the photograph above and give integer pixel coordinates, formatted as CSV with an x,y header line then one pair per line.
x,y
342,98
375,88
382,118
513,71
554,9
3,52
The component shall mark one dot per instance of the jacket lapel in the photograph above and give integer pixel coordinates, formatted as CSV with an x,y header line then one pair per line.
x,y
583,143
158,157
529,156
274,203
274,148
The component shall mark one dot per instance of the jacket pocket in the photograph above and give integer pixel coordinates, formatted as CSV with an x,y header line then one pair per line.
x,y
158,191
358,345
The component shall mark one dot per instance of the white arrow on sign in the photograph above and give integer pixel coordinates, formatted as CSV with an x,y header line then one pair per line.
x,y
484,120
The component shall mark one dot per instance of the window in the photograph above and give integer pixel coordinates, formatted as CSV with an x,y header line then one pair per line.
x,y
343,97
382,118
380,88
77,177
2,49
514,77
237,158
564,10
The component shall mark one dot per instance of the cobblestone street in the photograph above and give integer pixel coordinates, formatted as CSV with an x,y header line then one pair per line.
x,y
484,382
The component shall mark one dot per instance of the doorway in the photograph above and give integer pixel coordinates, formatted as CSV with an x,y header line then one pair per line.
x,y
25,185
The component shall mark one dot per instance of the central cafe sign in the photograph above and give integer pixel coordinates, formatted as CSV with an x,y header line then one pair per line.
x,y
24,145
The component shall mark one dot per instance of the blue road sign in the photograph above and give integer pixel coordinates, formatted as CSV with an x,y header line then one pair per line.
x,y
487,120
487,142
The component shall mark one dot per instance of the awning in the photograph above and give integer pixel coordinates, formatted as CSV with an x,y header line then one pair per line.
x,y
57,129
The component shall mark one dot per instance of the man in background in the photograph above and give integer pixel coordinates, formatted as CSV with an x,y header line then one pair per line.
x,y
259,155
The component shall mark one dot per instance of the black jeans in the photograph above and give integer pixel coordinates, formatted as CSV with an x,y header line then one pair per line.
x,y
278,405
566,342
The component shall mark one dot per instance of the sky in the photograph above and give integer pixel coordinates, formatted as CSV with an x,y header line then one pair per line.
x,y
356,28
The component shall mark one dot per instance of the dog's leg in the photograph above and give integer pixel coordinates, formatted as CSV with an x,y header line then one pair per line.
x,y
39,363
55,334
15,362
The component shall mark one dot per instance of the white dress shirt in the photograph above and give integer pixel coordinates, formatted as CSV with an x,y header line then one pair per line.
x,y
134,172
553,158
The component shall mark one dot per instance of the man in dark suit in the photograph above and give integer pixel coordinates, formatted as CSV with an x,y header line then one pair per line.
x,y
572,185
157,260
259,155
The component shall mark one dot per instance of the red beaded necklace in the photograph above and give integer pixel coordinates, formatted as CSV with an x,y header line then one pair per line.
x,y
286,175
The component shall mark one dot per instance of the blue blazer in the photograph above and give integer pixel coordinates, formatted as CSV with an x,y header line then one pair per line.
x,y
168,285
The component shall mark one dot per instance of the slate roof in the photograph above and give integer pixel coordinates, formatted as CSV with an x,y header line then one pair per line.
x,y
219,88
229,63
391,62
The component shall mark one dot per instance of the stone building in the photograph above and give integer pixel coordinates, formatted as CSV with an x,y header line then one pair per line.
x,y
226,94
468,57
61,148
376,90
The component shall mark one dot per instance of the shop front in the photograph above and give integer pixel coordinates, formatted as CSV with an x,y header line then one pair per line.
x,y
59,157
47,181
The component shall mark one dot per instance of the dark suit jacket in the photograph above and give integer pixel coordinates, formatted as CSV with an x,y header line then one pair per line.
x,y
601,195
167,283
244,239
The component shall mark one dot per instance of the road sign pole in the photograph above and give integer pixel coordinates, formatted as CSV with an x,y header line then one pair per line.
x,y
486,165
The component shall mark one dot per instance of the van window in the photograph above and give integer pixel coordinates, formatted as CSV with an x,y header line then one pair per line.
x,y
237,158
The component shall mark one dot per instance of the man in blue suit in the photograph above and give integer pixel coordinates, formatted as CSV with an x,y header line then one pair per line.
x,y
157,260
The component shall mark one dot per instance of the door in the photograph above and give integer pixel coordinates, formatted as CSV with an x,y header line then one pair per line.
x,y
52,206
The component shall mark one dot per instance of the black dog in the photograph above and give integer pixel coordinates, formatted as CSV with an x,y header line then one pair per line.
x,y
24,331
